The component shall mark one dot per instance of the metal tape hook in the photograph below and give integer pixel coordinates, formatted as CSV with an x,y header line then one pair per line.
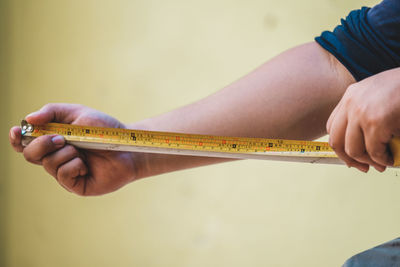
x,y
26,127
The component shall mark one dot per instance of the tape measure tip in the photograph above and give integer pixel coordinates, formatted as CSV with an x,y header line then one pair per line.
x,y
26,127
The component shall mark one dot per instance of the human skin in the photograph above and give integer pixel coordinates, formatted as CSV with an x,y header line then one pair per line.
x,y
365,120
290,97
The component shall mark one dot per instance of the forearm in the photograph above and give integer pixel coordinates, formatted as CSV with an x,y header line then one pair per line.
x,y
289,97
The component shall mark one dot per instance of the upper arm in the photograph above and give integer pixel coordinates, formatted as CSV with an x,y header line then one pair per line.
x,y
367,42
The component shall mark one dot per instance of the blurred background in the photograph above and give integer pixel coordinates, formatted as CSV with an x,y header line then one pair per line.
x,y
135,59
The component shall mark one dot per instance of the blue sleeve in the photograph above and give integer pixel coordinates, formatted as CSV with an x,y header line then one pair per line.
x,y
368,40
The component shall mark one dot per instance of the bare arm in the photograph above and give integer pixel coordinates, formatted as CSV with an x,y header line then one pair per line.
x,y
291,97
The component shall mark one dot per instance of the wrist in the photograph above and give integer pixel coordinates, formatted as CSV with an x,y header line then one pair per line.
x,y
139,160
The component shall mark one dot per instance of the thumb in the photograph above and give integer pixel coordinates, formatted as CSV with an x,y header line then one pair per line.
x,y
55,112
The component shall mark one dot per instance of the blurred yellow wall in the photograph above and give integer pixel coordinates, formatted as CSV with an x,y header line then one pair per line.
x,y
4,120
136,59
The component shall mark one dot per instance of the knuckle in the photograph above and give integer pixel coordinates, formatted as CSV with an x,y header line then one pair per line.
x,y
370,121
364,109
50,166
62,173
354,153
72,151
28,156
67,172
358,110
47,162
373,120
376,154
348,100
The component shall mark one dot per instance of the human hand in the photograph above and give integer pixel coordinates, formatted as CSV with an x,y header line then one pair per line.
x,y
365,120
84,172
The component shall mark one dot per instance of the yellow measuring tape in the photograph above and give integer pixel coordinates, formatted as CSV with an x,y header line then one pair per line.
x,y
190,144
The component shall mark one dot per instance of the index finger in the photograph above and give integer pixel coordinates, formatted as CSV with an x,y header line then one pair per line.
x,y
55,112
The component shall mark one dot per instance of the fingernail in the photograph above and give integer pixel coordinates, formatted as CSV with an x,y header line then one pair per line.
x,y
58,140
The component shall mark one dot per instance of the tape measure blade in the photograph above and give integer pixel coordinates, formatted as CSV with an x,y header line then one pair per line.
x,y
97,138
186,152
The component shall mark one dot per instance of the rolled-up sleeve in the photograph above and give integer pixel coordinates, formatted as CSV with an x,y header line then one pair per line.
x,y
367,41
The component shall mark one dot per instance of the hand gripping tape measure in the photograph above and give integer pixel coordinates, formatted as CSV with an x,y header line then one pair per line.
x,y
99,138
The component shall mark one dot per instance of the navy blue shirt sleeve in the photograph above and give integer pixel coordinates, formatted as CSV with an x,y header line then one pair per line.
x,y
368,40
